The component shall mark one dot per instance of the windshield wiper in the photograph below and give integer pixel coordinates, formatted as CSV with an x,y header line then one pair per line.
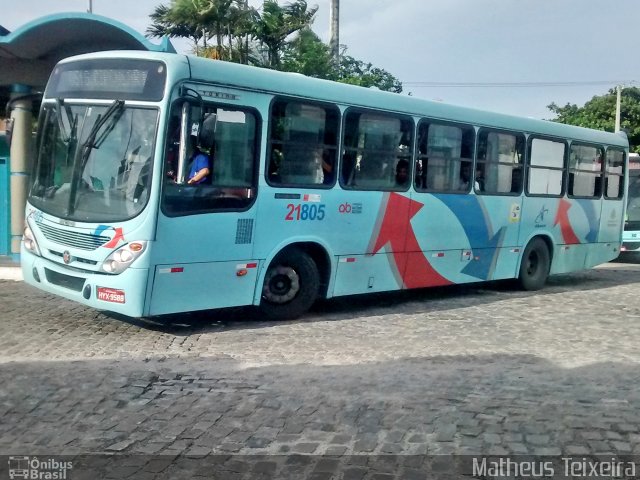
x,y
112,115
61,125
70,138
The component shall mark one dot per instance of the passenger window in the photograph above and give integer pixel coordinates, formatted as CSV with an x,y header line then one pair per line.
x,y
546,167
303,146
614,182
377,150
230,145
499,166
445,157
585,171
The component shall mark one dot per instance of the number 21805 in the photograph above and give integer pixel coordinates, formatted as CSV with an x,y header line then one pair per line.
x,y
305,211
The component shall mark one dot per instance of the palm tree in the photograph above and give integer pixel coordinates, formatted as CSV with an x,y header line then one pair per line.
x,y
235,22
217,19
206,15
241,18
164,23
276,23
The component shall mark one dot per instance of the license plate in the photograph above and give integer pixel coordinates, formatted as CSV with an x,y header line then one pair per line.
x,y
110,295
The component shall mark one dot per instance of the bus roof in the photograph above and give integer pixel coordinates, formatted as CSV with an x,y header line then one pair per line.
x,y
298,85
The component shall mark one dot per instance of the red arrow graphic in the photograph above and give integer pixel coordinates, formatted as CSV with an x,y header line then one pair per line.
x,y
116,238
562,218
395,230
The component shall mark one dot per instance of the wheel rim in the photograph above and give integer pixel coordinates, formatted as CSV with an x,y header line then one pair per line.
x,y
281,284
532,263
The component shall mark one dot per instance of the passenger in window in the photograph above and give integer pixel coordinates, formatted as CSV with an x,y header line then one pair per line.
x,y
200,167
402,173
479,182
465,177
421,175
327,168
516,180
274,165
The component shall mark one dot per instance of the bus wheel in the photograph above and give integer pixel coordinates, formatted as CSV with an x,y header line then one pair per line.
x,y
290,286
535,264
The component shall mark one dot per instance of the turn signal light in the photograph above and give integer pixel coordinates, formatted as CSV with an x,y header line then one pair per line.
x,y
136,247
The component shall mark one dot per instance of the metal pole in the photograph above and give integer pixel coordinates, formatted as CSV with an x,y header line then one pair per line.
x,y
618,96
334,42
21,144
90,10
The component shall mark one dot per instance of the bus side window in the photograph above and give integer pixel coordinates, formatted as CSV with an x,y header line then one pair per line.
x,y
231,146
499,161
445,156
585,171
614,171
374,143
303,144
545,166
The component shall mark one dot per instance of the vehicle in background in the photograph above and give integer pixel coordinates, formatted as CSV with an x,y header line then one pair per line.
x,y
631,235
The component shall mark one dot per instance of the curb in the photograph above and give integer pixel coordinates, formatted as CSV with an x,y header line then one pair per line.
x,y
11,273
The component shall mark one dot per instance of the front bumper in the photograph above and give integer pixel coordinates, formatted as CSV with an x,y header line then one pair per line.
x,y
124,293
630,242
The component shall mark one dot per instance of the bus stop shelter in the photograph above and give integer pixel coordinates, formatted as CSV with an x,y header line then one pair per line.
x,y
27,57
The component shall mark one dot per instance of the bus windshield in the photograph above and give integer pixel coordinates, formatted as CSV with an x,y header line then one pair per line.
x,y
94,162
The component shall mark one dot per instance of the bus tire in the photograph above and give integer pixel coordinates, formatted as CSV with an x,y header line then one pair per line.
x,y
290,286
535,265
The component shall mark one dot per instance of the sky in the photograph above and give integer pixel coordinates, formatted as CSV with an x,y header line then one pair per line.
x,y
508,56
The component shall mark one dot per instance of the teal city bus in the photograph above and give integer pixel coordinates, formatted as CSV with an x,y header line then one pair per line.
x,y
631,235
312,189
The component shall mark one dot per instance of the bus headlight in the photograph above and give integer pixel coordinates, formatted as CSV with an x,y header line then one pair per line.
x,y
30,240
122,258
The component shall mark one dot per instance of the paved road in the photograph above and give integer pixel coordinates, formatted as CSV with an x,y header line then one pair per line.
x,y
477,370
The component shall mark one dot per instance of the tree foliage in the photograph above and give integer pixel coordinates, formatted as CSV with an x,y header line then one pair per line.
x,y
364,74
206,20
277,37
276,23
307,54
165,24
600,112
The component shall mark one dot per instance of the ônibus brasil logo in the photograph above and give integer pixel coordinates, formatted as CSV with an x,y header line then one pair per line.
x,y
34,468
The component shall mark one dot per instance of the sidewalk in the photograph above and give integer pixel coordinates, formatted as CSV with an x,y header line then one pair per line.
x,y
10,269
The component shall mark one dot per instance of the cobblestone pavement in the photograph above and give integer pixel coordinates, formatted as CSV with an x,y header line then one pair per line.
x,y
476,370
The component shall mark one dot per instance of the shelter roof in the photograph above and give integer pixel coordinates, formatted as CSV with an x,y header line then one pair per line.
x,y
28,54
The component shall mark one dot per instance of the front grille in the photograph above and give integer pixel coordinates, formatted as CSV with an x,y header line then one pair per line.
x,y
84,241
65,281
75,259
